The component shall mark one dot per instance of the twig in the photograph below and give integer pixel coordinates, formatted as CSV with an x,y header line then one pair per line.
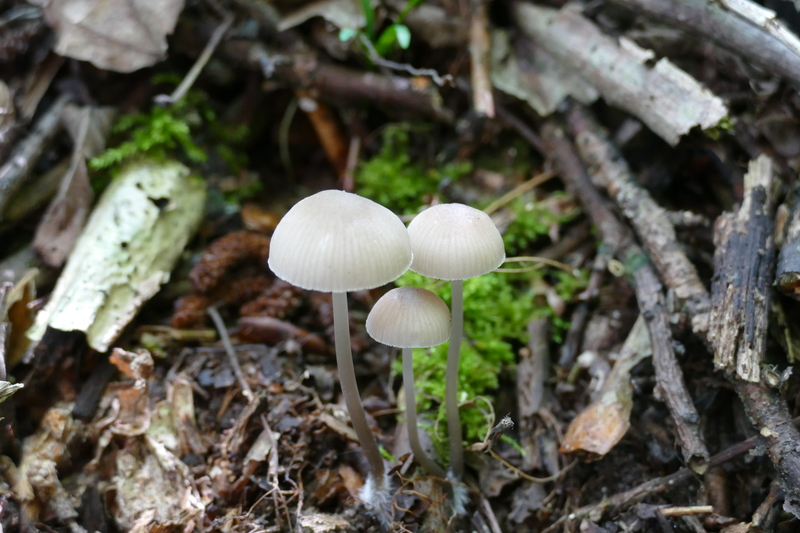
x,y
334,82
669,377
711,21
14,172
520,189
479,52
513,122
380,61
686,511
651,222
624,500
232,359
191,76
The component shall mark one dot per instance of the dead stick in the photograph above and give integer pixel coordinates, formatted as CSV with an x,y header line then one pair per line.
x,y
650,221
26,154
649,294
712,21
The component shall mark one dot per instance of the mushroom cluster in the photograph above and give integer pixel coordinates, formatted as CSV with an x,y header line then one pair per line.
x,y
336,242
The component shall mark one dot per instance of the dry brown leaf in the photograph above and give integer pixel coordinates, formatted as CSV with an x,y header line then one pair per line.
x,y
600,426
66,215
120,35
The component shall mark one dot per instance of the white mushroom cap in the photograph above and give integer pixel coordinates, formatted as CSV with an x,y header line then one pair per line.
x,y
335,241
409,317
455,241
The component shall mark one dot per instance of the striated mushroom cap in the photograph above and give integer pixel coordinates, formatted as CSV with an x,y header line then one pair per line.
x,y
335,241
455,241
409,317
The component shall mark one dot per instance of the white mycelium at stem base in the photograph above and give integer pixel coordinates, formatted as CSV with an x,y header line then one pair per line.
x,y
407,318
335,241
455,242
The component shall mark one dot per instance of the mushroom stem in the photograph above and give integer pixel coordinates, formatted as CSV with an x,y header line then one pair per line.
x,y
411,418
451,379
352,398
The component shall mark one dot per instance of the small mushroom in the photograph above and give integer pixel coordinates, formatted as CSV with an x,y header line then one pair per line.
x,y
335,241
407,318
455,242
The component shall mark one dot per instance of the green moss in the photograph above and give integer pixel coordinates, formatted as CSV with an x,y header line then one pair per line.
x,y
158,133
496,311
392,179
533,220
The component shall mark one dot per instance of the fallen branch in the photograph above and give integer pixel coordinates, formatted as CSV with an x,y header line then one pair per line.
x,y
712,21
651,222
669,377
766,408
667,99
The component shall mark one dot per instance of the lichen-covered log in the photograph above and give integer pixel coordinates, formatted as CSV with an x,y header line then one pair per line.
x,y
127,250
740,288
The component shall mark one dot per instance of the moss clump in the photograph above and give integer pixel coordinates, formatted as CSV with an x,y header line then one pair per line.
x,y
159,132
495,314
392,179
533,220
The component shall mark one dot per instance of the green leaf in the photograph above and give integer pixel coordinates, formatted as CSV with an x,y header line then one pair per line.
x,y
403,35
345,34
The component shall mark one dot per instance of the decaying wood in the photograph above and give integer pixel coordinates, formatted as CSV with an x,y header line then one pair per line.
x,y
742,275
712,21
787,275
649,293
667,99
608,169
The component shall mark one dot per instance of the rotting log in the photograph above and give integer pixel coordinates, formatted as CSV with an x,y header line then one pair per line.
x,y
740,290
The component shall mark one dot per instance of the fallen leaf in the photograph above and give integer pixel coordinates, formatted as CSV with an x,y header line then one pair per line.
x,y
600,426
65,216
120,35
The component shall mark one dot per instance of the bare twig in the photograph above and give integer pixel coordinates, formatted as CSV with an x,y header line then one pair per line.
x,y
26,154
229,349
334,82
624,500
191,76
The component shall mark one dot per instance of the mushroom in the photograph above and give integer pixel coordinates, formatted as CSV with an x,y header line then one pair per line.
x,y
336,242
455,242
407,318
